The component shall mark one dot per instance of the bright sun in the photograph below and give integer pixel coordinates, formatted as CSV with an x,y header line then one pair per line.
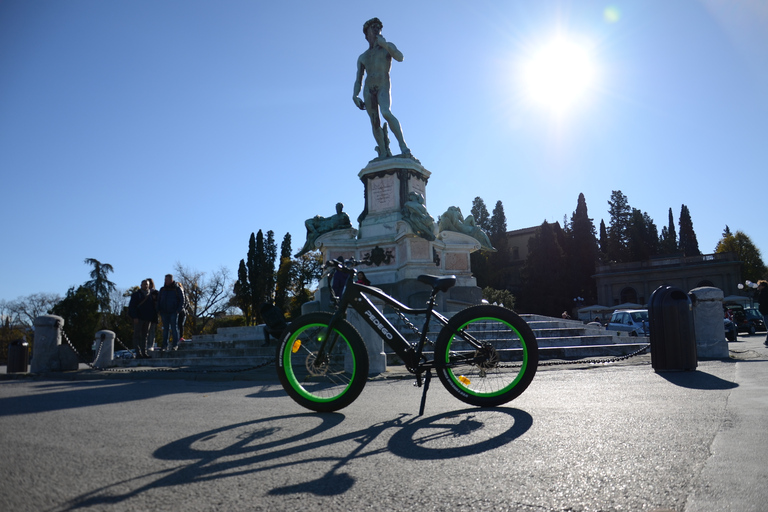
x,y
559,74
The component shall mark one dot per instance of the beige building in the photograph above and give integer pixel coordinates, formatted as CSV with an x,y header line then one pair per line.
x,y
634,282
619,283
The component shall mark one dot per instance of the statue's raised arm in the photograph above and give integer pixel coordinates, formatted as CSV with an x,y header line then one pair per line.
x,y
374,64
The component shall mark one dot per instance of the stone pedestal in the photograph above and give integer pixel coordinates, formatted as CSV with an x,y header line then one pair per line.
x,y
387,184
393,255
48,353
708,323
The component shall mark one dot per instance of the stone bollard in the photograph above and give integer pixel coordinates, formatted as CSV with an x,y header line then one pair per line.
x,y
104,348
311,307
708,322
377,358
49,355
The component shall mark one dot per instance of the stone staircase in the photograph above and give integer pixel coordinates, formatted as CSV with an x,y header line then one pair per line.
x,y
572,339
242,347
229,347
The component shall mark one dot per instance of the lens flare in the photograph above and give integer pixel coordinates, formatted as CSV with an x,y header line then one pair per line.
x,y
612,14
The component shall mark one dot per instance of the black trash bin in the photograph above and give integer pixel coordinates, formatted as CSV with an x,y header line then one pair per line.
x,y
18,357
673,339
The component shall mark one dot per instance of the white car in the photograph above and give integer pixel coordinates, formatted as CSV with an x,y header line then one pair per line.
x,y
632,321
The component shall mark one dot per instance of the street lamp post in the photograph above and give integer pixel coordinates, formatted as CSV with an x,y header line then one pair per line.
x,y
746,286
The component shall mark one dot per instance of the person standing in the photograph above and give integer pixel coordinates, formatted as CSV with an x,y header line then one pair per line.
x,y
361,279
761,296
182,314
170,302
153,325
141,309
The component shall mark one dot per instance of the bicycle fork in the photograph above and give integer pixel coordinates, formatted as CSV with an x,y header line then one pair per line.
x,y
328,339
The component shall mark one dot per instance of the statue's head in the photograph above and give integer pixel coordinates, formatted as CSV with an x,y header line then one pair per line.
x,y
370,22
339,207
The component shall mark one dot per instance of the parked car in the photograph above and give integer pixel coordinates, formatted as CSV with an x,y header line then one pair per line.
x,y
730,330
748,320
125,354
632,321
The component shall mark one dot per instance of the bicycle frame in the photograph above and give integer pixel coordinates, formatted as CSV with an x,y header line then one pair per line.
x,y
355,295
474,356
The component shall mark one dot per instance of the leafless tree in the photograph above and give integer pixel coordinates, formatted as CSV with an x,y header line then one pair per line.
x,y
118,300
208,296
24,310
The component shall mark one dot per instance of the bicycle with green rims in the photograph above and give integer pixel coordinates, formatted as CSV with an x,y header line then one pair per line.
x,y
484,355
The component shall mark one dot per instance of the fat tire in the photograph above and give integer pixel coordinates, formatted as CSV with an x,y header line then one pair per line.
x,y
507,335
340,383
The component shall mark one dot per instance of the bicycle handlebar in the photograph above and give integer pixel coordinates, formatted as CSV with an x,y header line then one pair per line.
x,y
342,264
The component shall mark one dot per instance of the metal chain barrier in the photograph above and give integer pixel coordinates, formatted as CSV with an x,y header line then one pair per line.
x,y
411,326
605,361
602,361
408,323
121,343
154,369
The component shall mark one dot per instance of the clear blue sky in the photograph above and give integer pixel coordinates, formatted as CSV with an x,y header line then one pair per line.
x,y
146,132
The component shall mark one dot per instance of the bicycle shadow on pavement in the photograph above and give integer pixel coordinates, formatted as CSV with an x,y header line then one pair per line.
x,y
274,443
425,439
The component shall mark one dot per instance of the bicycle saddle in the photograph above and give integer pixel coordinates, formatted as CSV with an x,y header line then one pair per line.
x,y
442,284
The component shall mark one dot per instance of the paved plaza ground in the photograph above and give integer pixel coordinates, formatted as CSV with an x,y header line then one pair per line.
x,y
581,438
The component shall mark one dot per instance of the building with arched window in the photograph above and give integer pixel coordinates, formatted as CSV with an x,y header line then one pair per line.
x,y
621,283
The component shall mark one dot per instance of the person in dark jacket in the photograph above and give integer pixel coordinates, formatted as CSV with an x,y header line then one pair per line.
x,y
153,326
761,296
141,309
170,302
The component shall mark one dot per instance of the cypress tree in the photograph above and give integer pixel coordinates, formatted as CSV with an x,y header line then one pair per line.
x,y
643,237
668,239
618,231
688,244
270,255
543,274
242,291
582,252
284,273
603,239
498,225
480,214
